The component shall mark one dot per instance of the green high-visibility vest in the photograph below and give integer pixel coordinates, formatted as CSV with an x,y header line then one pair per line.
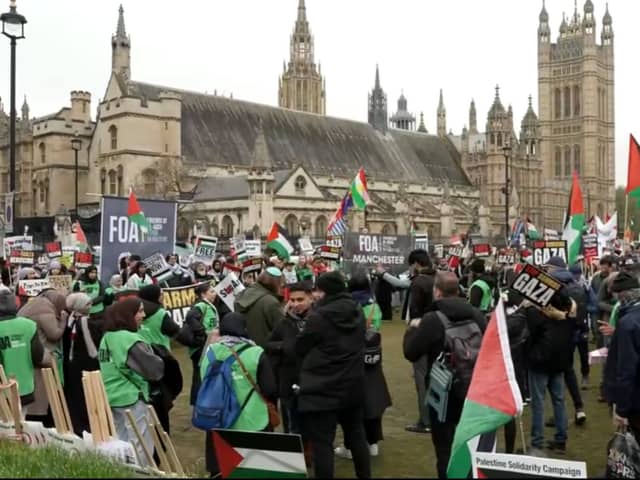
x,y
209,319
93,291
15,351
124,386
254,416
151,329
487,299
613,318
376,316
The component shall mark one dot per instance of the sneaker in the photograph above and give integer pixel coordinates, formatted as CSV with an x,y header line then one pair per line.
x,y
581,417
585,382
343,452
373,450
417,428
551,422
558,447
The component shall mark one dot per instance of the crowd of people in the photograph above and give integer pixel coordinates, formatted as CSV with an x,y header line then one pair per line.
x,y
305,337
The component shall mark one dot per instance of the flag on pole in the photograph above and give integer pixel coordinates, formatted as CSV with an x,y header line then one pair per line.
x,y
574,222
532,231
493,398
81,239
633,174
136,215
277,241
338,225
359,190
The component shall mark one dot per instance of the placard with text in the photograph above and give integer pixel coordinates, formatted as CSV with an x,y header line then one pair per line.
x,y
543,250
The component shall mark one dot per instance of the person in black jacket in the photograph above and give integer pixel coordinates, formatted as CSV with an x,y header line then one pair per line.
x,y
281,350
425,337
331,346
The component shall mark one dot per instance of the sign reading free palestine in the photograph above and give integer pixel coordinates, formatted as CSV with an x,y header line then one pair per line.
x,y
118,234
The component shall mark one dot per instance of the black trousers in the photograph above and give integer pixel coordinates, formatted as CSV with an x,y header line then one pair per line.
x,y
442,436
320,429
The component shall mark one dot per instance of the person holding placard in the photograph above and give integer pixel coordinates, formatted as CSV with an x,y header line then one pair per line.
x,y
92,286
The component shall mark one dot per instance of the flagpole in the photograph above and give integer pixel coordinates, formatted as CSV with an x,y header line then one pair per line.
x,y
524,441
626,213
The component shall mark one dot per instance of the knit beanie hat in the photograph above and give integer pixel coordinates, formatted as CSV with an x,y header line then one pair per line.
x,y
150,293
331,283
624,281
477,266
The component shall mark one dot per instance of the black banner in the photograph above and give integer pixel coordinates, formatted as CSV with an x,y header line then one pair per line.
x,y
365,251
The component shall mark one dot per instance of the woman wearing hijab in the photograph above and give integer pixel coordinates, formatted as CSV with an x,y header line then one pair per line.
x,y
128,364
80,346
92,286
139,277
115,286
254,415
48,310
200,272
56,268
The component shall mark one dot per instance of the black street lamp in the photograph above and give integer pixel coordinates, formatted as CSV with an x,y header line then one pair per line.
x,y
76,145
13,28
507,153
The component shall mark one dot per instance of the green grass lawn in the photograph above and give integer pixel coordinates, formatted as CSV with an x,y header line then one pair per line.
x,y
404,454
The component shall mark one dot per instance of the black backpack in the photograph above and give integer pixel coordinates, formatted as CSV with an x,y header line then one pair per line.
x,y
462,342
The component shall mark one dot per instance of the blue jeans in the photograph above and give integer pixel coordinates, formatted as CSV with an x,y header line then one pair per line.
x,y
538,384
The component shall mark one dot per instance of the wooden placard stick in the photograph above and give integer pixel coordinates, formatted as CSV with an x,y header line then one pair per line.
x,y
16,407
171,451
89,401
3,377
101,414
52,395
143,445
165,466
5,404
110,423
63,400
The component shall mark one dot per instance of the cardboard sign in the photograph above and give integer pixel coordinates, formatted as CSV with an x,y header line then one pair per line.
x,y
156,265
290,277
177,301
535,285
228,268
482,250
306,247
543,250
590,244
502,465
22,242
205,249
228,289
252,265
238,246
32,288
421,241
506,258
53,249
455,251
68,256
334,241
21,257
438,250
254,248
330,253
82,260
61,283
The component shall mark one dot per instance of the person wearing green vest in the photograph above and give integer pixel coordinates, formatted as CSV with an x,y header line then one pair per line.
x,y
201,320
115,286
128,364
303,271
92,286
481,291
20,348
254,415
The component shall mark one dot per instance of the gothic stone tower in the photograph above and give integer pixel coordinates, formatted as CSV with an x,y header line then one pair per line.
x,y
576,107
378,116
301,86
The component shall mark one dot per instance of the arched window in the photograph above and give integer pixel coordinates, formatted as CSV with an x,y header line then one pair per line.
x,y
120,181
301,184
567,161
291,225
576,158
41,188
43,152
46,195
576,100
113,135
499,139
103,181
558,162
149,180
113,182
321,227
227,226
567,102
558,103
493,139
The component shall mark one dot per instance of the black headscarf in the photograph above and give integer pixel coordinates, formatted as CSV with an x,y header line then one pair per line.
x,y
234,324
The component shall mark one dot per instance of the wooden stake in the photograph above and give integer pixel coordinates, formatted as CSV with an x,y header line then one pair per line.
x,y
5,403
3,377
157,443
16,407
54,401
63,400
109,415
101,405
91,409
143,445
171,451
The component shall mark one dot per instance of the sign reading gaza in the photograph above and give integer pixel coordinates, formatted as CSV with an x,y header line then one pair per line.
x,y
543,250
369,250
535,285
118,234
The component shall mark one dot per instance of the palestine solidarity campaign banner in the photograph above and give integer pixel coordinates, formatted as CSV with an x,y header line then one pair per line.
x,y
140,227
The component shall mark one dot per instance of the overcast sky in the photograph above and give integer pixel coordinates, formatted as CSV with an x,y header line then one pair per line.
x,y
465,47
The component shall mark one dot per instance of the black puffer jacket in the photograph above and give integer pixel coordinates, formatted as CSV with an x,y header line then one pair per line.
x,y
332,349
549,344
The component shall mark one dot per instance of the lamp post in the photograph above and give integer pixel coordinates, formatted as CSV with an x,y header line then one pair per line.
x,y
12,28
76,145
507,153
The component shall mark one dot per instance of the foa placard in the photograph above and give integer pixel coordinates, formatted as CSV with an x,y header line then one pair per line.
x,y
543,250
535,285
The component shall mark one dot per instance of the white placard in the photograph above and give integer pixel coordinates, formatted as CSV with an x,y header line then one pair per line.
x,y
67,441
32,288
254,248
205,249
34,434
523,465
306,247
228,289
21,242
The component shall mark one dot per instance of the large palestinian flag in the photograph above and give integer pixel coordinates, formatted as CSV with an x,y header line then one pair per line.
x,y
633,173
493,398
259,455
574,222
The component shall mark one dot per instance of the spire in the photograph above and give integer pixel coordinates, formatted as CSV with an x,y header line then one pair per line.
x,y
378,118
422,128
121,32
25,110
442,117
607,20
473,118
497,109
261,161
302,11
544,15
377,84
441,102
121,49
302,24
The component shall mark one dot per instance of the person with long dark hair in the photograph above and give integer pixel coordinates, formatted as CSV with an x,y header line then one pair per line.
x,y
90,284
139,277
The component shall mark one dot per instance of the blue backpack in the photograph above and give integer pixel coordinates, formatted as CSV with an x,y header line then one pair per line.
x,y
217,405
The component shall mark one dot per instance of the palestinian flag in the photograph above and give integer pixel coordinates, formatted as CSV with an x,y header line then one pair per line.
x,y
359,190
277,241
259,455
532,231
493,398
81,239
136,215
574,222
633,174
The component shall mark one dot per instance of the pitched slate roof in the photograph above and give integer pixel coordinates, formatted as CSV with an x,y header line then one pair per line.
x,y
232,187
223,131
